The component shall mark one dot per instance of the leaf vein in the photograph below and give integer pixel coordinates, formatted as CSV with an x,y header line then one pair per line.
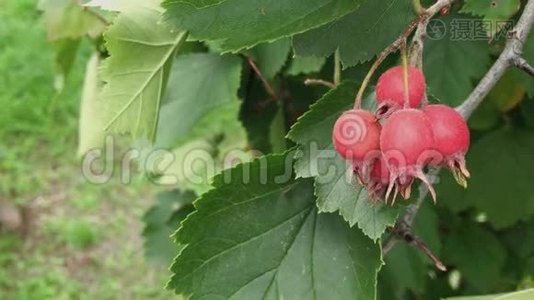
x,y
208,260
147,82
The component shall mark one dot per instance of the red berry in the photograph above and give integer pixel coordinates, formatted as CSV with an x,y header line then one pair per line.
x,y
450,129
390,90
444,11
378,179
356,137
380,171
356,133
407,143
451,136
409,132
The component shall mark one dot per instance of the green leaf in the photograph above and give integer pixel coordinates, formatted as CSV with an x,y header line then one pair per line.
x,y
135,86
520,240
277,132
335,187
404,270
476,253
342,192
235,250
258,114
497,9
305,65
451,65
500,189
451,195
509,91
199,121
91,134
200,85
239,24
520,295
271,57
66,51
527,113
187,167
216,142
493,11
528,54
426,226
68,19
117,5
360,35
200,3
161,220
485,117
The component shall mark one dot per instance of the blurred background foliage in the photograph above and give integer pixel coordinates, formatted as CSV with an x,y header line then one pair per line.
x,y
61,237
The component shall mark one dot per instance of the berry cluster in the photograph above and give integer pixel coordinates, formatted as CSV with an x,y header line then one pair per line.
x,y
393,146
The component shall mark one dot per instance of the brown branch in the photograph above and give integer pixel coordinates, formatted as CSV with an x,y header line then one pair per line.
x,y
523,65
511,56
416,50
403,228
403,231
266,83
511,53
415,241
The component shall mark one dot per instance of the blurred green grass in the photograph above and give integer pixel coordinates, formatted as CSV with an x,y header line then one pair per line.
x,y
34,133
81,241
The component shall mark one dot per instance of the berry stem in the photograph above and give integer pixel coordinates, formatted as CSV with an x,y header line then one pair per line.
x,y
367,79
405,76
382,56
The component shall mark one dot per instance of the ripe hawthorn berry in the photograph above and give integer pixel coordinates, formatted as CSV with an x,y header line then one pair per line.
x,y
452,138
407,143
356,137
390,94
